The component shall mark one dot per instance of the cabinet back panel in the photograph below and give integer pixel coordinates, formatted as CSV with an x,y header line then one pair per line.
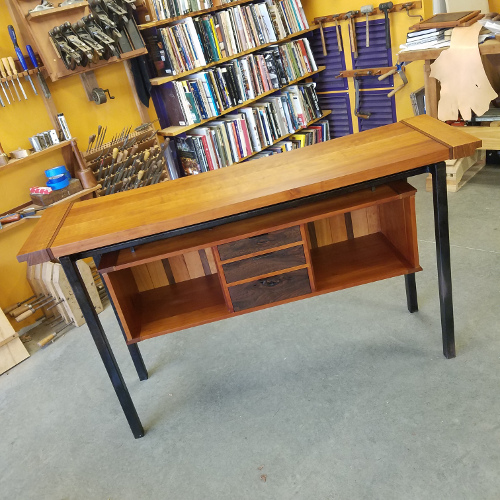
x,y
175,269
338,228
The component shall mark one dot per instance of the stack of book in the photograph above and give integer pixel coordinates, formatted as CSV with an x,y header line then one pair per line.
x,y
432,38
167,9
198,41
209,93
252,129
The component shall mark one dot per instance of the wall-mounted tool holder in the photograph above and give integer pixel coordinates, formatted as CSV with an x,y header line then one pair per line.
x,y
354,73
130,161
34,27
400,7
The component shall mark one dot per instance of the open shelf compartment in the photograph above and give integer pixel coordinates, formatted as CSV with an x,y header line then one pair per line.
x,y
348,240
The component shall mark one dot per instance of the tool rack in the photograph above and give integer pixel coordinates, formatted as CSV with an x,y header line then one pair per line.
x,y
400,7
146,139
34,28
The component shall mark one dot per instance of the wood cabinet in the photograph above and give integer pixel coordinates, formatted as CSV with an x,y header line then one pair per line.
x,y
268,260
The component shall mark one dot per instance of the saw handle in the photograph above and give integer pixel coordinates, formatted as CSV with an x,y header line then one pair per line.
x,y
388,74
397,89
32,56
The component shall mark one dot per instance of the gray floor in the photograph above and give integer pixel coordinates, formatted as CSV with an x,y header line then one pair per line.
x,y
344,396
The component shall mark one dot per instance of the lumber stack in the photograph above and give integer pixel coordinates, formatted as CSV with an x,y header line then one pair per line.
x,y
459,172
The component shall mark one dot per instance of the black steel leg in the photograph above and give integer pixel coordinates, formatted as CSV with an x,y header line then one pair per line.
x,y
101,341
411,292
440,198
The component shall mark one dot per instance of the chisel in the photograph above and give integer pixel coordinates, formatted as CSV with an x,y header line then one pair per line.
x,y
10,308
3,106
99,130
15,73
91,141
41,79
4,93
103,136
4,75
6,65
20,56
27,314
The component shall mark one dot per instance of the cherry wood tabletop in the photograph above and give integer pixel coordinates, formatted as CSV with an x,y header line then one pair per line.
x,y
86,225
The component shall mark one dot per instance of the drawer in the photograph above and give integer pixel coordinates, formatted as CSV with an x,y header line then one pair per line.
x,y
268,290
264,264
260,242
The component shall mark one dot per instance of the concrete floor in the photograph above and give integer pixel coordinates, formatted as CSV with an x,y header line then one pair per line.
x,y
343,396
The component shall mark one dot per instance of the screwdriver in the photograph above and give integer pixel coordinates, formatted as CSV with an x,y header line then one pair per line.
x,y
41,79
14,72
6,65
20,56
4,75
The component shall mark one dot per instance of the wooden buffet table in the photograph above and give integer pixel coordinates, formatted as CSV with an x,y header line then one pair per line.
x,y
259,229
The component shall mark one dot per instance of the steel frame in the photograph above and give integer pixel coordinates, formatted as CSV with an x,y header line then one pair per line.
x,y
440,200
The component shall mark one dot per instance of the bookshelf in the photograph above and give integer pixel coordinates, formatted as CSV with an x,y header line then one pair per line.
x,y
324,114
178,129
163,22
164,79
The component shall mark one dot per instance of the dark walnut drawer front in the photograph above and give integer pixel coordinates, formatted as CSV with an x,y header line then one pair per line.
x,y
260,242
268,290
264,264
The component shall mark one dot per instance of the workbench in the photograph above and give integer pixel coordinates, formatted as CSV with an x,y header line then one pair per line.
x,y
260,229
489,51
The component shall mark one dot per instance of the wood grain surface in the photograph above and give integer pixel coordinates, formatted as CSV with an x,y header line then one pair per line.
x,y
183,202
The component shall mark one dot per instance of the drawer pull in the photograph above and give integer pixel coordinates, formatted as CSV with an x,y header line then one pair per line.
x,y
270,281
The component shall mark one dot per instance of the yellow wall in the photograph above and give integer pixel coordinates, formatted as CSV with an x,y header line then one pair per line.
x,y
26,118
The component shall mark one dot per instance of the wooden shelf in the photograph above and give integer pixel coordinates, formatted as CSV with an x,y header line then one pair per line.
x,y
163,22
180,306
325,113
101,63
33,16
486,48
164,79
357,262
179,129
38,155
72,197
